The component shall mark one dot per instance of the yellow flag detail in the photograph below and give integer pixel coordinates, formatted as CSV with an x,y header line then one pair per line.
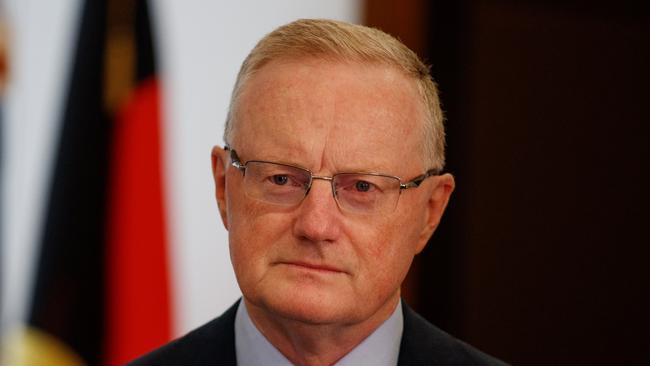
x,y
32,347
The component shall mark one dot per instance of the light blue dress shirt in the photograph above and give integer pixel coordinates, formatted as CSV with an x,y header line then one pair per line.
x,y
381,348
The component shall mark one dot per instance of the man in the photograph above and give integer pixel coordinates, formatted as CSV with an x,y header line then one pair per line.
x,y
329,184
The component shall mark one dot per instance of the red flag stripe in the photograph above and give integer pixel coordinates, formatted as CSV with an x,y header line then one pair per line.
x,y
138,297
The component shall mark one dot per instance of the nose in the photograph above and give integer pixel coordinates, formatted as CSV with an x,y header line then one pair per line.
x,y
319,218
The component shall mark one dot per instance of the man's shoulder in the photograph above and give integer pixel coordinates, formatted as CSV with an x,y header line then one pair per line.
x,y
425,344
212,341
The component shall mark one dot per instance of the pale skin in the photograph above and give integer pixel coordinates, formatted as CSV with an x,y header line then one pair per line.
x,y
315,279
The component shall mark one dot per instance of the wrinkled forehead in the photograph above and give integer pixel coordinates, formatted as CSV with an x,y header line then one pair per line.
x,y
307,107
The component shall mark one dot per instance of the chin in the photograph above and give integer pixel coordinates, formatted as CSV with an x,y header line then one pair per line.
x,y
310,307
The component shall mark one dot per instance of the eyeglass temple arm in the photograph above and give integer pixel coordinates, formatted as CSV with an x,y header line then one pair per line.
x,y
415,182
236,162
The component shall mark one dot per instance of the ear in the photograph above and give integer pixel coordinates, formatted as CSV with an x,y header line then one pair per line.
x,y
436,205
219,166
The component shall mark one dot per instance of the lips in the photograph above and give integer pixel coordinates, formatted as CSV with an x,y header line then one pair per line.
x,y
314,267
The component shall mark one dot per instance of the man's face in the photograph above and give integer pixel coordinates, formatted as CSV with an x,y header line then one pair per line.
x,y
312,261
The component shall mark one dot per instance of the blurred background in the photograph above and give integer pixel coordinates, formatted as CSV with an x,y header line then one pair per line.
x,y
111,243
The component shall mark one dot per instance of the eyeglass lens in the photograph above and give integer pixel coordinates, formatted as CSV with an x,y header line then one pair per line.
x,y
288,185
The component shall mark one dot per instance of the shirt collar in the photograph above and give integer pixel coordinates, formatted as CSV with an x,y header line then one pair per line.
x,y
380,348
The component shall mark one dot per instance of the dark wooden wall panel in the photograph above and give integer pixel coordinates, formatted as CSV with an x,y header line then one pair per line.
x,y
557,251
543,255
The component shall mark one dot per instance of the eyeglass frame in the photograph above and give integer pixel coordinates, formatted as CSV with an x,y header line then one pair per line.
x,y
413,183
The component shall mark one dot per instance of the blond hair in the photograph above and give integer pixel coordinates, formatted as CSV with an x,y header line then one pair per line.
x,y
340,41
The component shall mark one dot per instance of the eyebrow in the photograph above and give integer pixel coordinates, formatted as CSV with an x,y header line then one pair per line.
x,y
372,167
352,166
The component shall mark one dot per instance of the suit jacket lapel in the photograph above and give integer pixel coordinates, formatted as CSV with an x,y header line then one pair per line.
x,y
424,344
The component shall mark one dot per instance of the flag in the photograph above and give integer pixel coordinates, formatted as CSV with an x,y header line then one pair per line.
x,y
101,295
67,306
138,312
139,309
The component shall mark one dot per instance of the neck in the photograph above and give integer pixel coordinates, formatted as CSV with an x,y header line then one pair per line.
x,y
307,344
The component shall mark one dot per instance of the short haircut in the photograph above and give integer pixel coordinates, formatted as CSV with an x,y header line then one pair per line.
x,y
341,41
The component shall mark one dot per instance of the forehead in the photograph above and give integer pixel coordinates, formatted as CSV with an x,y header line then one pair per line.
x,y
317,112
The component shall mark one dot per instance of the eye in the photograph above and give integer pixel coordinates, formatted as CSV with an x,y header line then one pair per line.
x,y
280,179
362,186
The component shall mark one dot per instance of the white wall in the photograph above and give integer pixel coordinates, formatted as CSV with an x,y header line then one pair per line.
x,y
201,44
41,44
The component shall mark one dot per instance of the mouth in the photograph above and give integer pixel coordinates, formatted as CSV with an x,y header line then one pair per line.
x,y
323,268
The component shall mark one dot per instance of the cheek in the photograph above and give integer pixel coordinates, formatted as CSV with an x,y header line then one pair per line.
x,y
254,235
386,251
379,248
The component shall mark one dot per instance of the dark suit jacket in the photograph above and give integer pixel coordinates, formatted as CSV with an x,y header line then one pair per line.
x,y
214,344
